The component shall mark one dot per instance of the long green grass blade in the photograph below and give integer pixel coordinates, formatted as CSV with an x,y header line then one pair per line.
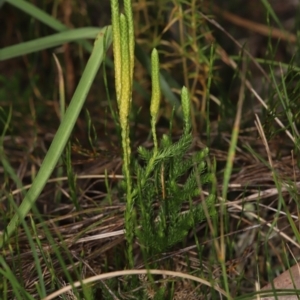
x,y
48,42
63,133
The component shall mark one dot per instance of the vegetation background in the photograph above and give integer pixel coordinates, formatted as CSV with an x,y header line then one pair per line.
x,y
239,61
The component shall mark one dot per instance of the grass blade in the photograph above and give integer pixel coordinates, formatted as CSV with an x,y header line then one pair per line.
x,y
63,133
48,42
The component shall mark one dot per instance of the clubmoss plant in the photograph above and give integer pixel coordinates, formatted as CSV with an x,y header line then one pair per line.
x,y
124,62
160,175
171,182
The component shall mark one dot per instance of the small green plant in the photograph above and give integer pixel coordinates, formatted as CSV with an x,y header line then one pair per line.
x,y
159,176
171,181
